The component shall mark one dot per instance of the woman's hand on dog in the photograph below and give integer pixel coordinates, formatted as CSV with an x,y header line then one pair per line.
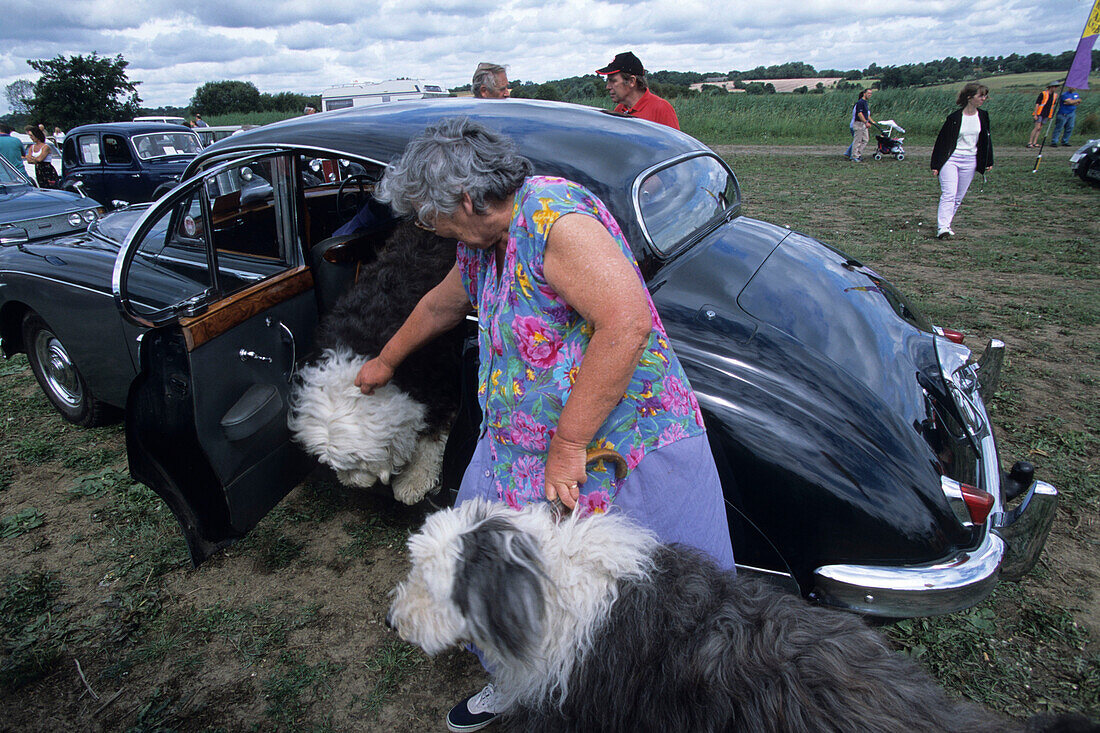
x,y
565,471
372,375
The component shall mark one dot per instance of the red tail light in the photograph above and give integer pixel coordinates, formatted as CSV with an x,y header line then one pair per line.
x,y
952,335
979,503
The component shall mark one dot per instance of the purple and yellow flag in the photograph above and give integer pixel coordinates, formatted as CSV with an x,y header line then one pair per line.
x,y
1078,76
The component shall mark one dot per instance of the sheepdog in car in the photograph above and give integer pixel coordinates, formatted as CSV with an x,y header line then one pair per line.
x,y
396,435
590,624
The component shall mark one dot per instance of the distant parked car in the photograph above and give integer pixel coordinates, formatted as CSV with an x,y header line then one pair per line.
x,y
120,163
55,155
1085,163
213,133
31,214
165,120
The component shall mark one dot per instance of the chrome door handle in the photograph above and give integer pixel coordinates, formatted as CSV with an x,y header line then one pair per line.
x,y
246,355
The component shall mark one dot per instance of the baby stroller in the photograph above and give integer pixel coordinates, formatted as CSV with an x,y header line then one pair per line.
x,y
887,143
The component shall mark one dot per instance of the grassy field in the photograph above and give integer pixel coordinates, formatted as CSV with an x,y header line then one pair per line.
x,y
778,119
105,627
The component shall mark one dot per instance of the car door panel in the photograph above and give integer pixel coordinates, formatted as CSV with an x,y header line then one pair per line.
x,y
206,417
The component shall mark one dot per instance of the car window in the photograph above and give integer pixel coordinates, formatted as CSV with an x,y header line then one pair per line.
x,y
215,236
678,200
251,213
115,150
9,176
88,149
170,265
163,144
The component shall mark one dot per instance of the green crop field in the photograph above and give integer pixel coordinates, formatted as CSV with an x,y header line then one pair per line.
x,y
789,119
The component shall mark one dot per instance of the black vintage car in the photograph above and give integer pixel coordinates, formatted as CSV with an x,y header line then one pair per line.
x,y
852,438
119,163
1085,162
29,213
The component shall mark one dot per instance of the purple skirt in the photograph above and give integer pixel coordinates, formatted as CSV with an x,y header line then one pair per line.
x,y
674,492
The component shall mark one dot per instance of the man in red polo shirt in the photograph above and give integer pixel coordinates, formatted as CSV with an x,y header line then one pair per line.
x,y
627,87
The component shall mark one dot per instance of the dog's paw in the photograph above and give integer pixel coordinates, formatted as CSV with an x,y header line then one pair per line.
x,y
420,476
357,477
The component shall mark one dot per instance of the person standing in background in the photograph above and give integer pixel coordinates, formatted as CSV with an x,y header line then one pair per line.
x,y
490,81
40,154
1044,111
628,89
1066,117
962,148
861,118
10,148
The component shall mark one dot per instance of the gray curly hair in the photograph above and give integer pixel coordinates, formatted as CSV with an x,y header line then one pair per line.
x,y
485,77
452,157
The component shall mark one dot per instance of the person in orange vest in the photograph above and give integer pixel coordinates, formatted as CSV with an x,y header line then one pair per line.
x,y
1044,111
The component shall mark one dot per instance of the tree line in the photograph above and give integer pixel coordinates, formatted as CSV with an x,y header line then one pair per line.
x,y
77,90
80,90
942,71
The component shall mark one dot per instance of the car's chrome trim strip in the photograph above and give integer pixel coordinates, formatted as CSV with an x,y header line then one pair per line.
x,y
47,278
226,153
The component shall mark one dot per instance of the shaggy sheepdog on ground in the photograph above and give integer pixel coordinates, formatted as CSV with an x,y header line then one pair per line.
x,y
591,625
396,435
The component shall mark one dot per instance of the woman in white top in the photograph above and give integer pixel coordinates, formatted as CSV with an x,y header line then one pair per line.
x,y
40,154
962,149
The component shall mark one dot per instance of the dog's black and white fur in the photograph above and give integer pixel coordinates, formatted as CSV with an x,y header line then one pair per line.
x,y
396,435
592,625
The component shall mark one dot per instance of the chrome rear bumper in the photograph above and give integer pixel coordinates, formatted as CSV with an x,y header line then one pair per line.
x,y
1010,548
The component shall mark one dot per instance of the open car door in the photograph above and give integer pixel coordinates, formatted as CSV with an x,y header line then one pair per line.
x,y
215,271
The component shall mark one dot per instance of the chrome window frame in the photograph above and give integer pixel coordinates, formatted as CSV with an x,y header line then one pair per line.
x,y
635,196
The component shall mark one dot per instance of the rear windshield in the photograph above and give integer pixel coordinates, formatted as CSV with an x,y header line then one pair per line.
x,y
680,199
162,144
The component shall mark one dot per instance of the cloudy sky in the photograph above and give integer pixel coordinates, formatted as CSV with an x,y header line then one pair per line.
x,y
175,46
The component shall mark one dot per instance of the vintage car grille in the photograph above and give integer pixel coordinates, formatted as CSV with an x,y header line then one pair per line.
x,y
50,226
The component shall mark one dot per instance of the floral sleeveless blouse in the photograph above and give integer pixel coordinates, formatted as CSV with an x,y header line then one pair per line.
x,y
531,344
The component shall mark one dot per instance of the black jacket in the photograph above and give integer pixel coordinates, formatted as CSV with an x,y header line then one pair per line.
x,y
949,137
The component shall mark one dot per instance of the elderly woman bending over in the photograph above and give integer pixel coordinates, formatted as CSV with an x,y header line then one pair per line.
x,y
572,352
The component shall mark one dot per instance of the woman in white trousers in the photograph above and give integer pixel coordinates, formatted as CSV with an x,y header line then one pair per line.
x,y
962,149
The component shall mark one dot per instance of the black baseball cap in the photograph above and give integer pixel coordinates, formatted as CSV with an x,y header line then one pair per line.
x,y
625,63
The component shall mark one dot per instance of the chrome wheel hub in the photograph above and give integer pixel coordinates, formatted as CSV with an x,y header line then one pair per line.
x,y
59,372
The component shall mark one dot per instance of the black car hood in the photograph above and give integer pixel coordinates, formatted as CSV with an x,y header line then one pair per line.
x,y
750,277
808,366
840,309
19,202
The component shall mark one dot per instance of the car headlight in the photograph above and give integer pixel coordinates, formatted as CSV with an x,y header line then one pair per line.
x,y
75,220
89,215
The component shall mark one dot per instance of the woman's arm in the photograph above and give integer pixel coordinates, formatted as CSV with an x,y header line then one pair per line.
x,y
586,267
940,152
441,309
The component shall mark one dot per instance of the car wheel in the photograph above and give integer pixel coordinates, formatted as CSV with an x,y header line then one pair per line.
x,y
878,156
900,156
163,189
58,376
